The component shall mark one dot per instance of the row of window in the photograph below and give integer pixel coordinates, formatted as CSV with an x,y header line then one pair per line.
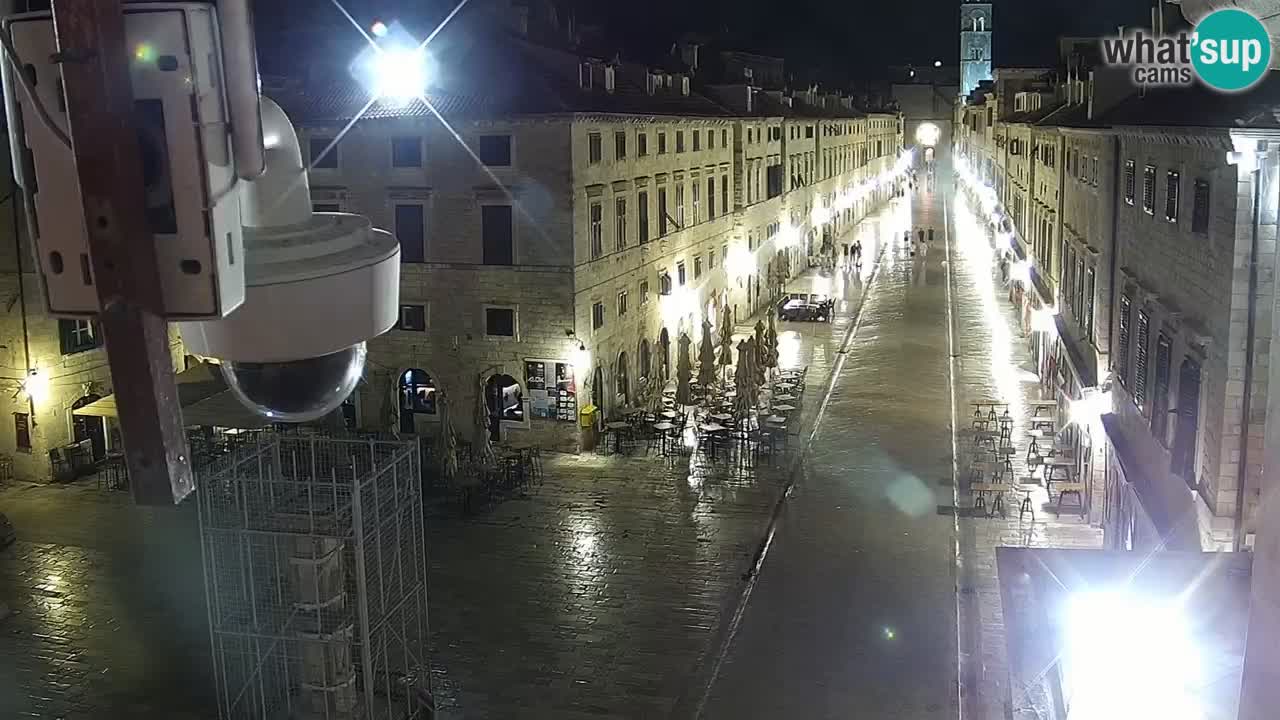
x,y
1077,280
666,220
1172,195
406,151
1083,168
499,322
1149,384
595,143
497,231
665,284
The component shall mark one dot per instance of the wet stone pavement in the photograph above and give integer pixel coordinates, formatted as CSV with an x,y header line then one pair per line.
x,y
602,592
615,588
597,594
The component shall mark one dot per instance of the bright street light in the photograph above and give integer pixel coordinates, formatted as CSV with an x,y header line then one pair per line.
x,y
400,73
937,63
394,67
1129,657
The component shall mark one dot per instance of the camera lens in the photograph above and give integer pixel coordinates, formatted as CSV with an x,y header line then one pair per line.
x,y
298,390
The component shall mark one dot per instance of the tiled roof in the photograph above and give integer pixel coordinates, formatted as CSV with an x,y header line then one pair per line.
x,y
1032,116
1076,115
501,78
1198,106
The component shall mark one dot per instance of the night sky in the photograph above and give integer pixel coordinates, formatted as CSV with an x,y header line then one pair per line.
x,y
855,39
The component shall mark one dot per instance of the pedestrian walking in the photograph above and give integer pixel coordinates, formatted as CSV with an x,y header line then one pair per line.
x,y
857,253
930,235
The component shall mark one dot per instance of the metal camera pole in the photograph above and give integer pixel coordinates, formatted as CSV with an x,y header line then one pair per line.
x,y
100,109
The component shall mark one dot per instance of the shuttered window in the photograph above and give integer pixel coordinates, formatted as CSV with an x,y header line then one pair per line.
x,y
1089,288
1183,461
1140,360
1160,393
1172,195
1149,189
1122,351
1130,170
1200,207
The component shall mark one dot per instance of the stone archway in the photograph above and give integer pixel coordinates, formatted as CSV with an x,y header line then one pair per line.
x,y
417,394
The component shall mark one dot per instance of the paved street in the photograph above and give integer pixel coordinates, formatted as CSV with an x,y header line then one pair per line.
x,y
624,585
854,612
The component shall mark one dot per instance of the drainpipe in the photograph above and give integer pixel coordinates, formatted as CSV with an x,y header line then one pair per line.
x,y
1242,473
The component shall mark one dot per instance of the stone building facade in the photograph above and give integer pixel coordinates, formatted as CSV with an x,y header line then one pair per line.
x,y
48,366
556,249
1149,291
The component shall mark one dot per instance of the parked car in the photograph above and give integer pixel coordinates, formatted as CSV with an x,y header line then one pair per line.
x,y
806,306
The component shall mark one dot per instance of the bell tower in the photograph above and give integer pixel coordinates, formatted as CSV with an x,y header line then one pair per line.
x,y
975,44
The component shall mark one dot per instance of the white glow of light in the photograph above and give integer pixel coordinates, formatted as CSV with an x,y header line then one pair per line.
x,y
937,63
928,134
739,263
1042,320
1087,412
788,236
581,359
977,257
820,215
400,73
788,349
1127,656
379,29
1021,272
680,305
1006,241
36,386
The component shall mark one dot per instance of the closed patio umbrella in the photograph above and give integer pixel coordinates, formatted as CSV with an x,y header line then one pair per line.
x,y
771,346
664,356
448,442
744,380
706,359
758,360
726,339
684,371
482,448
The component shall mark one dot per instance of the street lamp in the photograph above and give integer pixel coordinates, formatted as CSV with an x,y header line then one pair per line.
x,y
937,63
395,66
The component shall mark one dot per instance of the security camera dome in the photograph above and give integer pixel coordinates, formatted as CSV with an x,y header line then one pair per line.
x,y
297,390
317,286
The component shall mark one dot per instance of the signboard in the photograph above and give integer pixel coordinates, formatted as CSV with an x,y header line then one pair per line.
x,y
553,395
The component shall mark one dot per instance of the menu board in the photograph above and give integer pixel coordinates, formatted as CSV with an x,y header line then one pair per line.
x,y
552,392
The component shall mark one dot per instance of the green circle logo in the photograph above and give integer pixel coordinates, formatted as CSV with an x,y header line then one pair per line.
x,y
1231,50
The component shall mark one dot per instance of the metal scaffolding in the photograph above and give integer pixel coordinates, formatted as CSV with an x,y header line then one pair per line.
x,y
315,572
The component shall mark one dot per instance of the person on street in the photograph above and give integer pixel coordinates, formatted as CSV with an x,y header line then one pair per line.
x,y
857,253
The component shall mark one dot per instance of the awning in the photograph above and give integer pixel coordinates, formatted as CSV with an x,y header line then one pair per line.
x,y
203,397
1085,372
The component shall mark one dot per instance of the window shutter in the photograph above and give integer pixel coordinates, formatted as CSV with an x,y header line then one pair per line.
x,y
1122,352
1140,360
1160,398
1200,208
1130,171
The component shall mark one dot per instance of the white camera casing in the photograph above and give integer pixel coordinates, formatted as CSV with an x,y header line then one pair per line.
x,y
178,87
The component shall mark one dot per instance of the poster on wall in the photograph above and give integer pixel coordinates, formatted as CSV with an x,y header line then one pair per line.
x,y
552,394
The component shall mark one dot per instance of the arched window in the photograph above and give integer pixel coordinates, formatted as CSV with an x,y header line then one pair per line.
x,y
504,398
980,23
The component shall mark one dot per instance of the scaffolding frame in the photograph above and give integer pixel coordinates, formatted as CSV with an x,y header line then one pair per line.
x,y
314,552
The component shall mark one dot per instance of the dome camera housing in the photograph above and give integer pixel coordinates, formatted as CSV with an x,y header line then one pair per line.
x,y
317,286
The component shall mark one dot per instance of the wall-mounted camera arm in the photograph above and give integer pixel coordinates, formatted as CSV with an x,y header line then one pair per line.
x,y
100,113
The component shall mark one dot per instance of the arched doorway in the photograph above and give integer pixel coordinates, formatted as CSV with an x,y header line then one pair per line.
x,y
621,382
418,396
89,427
505,401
